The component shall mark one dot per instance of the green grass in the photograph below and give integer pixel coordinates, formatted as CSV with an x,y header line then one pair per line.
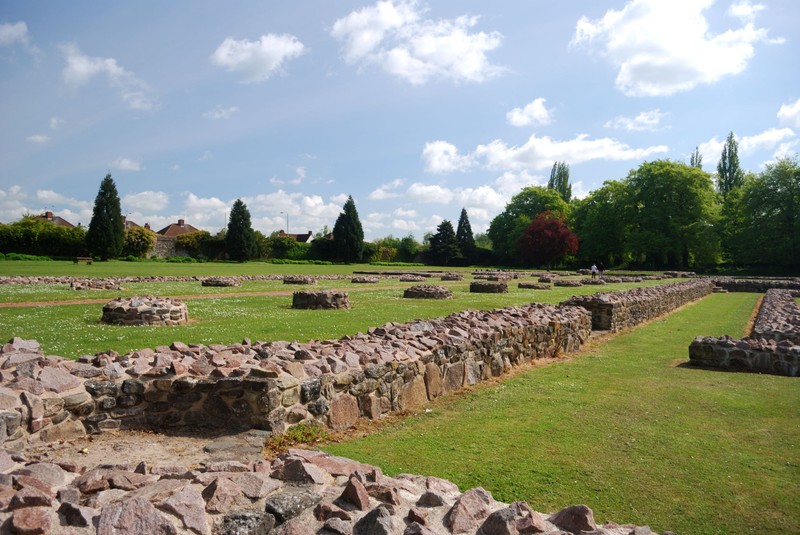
x,y
624,430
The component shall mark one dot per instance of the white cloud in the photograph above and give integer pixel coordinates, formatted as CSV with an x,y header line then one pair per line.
x,y
386,191
768,139
339,199
52,198
81,69
404,225
644,121
744,10
790,114
510,182
663,48
154,201
257,60
300,174
534,113
429,193
401,212
221,113
541,152
55,122
126,164
394,36
38,138
443,157
483,196
13,33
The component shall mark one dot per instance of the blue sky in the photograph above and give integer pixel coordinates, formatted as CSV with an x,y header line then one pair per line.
x,y
416,109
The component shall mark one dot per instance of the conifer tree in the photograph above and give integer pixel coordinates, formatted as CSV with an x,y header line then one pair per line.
x,y
444,249
559,180
348,235
464,237
729,174
106,233
240,239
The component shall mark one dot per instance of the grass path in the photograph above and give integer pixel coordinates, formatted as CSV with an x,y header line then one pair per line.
x,y
625,429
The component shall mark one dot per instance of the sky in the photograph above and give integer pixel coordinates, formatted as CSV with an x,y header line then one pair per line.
x,y
415,109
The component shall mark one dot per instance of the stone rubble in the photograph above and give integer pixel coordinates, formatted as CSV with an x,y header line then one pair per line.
x,y
427,291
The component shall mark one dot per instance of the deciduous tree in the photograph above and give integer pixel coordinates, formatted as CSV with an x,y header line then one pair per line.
x,y
138,241
106,229
559,180
729,174
547,239
348,235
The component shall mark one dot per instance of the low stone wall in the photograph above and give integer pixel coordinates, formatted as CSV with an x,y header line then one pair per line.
x,y
533,286
427,291
365,279
773,347
613,311
137,311
222,282
272,385
488,287
95,284
755,285
299,279
321,300
749,354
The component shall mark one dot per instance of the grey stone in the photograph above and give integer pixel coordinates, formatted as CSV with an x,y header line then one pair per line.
x,y
247,523
290,503
376,522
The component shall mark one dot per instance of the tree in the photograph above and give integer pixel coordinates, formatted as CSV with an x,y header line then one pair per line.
x,y
506,228
240,239
464,237
671,214
769,210
444,247
696,159
348,235
547,240
138,241
600,222
559,180
106,230
729,174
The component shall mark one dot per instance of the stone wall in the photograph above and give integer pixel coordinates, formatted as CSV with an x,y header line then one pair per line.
x,y
165,247
756,285
613,311
773,347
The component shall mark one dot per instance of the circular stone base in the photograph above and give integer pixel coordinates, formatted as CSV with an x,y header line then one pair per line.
x,y
159,311
222,282
299,279
427,291
328,299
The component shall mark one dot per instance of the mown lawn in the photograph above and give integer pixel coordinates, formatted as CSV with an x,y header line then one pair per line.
x,y
626,430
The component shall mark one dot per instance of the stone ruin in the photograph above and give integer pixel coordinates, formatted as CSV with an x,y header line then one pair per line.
x,y
452,277
222,282
299,279
566,283
533,286
412,278
427,291
138,311
588,282
488,287
95,284
321,300
365,279
773,346
549,278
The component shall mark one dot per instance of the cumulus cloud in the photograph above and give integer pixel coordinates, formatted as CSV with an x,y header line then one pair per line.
x,y
661,48
644,121
257,60
443,157
395,36
300,174
38,138
81,69
510,182
533,114
221,113
53,198
386,191
339,199
744,10
126,164
426,193
55,122
790,114
780,140
154,201
541,152
11,33
402,212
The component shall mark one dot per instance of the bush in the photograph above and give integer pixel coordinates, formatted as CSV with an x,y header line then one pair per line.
x,y
18,256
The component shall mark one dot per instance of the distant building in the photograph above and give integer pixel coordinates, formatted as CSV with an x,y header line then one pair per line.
x,y
302,238
54,219
174,229
129,224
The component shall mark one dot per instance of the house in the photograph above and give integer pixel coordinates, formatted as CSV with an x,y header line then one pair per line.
x,y
302,238
129,224
174,229
54,219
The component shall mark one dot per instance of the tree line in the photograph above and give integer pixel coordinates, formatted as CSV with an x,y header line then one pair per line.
x,y
663,214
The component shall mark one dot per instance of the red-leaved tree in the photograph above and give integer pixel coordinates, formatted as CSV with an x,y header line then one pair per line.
x,y
547,240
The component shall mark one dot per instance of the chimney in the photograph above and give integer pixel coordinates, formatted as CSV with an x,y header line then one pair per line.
x,y
147,226
48,215
180,222
124,219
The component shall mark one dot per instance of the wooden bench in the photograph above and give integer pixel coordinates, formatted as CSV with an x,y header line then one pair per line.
x,y
86,259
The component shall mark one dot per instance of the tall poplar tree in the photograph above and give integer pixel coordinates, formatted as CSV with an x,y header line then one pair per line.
x,y
348,235
729,174
696,159
240,239
106,233
464,237
559,180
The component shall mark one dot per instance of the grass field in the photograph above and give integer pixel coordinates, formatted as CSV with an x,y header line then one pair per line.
x,y
624,429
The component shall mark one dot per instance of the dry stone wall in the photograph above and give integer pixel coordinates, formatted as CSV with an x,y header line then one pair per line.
x,y
756,285
613,311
